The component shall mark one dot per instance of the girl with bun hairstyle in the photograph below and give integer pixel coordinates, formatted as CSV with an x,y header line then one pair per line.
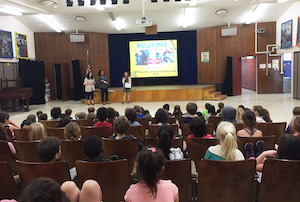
x,y
262,115
227,149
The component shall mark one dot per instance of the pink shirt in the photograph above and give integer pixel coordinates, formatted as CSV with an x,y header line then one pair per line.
x,y
101,124
260,120
166,192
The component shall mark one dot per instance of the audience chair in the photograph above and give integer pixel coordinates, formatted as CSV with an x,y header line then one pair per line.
x,y
280,181
30,171
7,156
8,135
172,120
84,122
21,134
137,131
186,131
268,140
276,129
210,128
112,176
49,124
57,132
124,149
179,171
239,126
226,180
154,129
111,121
72,151
27,151
197,147
144,122
153,142
215,120
8,187
98,131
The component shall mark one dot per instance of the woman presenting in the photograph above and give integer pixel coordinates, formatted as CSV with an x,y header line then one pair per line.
x,y
89,84
126,80
103,85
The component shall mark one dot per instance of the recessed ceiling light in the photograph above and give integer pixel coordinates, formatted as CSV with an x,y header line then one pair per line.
x,y
48,2
80,18
221,11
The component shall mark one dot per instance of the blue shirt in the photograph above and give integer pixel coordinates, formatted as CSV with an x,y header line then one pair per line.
x,y
135,124
140,116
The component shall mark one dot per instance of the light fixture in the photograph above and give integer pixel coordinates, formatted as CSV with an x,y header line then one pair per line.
x,y
153,1
69,3
166,0
125,1
221,11
79,18
10,11
93,2
119,24
102,2
114,1
282,1
80,2
48,2
257,13
50,21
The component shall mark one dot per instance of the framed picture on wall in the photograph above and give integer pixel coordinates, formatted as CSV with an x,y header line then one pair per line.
x,y
6,50
298,32
21,46
286,34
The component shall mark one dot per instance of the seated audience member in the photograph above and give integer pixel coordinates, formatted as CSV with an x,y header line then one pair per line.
x,y
29,120
191,108
92,117
68,113
161,117
49,149
4,119
295,125
296,111
167,108
121,126
63,122
91,110
198,128
150,166
229,114
239,114
43,117
38,113
249,120
288,148
139,110
48,190
177,112
36,131
220,107
262,115
81,116
206,109
102,116
131,115
227,149
72,131
55,114
111,113
210,112
165,136
147,114
3,138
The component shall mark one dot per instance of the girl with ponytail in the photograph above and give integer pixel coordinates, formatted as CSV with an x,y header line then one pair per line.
x,y
227,149
150,166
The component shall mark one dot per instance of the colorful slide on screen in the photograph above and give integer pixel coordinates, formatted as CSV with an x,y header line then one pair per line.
x,y
153,58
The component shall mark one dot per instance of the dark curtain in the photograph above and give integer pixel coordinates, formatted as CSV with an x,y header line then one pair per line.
x,y
58,81
228,82
78,87
32,74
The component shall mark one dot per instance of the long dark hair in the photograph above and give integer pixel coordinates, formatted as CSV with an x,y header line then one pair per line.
x,y
165,135
289,147
88,75
99,73
150,163
198,127
249,120
161,116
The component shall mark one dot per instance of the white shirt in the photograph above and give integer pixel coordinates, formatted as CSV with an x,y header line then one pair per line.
x,y
89,84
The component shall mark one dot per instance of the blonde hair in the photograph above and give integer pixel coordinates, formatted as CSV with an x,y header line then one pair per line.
x,y
36,131
239,114
226,134
72,131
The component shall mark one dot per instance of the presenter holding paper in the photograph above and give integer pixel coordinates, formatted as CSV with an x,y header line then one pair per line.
x,y
126,80
103,85
89,84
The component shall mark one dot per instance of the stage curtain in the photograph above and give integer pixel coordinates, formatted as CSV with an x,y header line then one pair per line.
x,y
227,85
78,81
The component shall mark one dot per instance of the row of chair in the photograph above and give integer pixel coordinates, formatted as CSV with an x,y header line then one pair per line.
x,y
217,180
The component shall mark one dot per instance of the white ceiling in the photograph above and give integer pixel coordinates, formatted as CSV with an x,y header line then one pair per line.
x,y
167,15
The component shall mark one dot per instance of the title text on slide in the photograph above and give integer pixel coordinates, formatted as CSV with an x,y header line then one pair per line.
x,y
152,45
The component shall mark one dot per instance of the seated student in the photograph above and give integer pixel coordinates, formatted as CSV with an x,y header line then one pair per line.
x,y
68,113
210,112
4,119
121,126
3,138
81,116
198,128
229,114
111,113
288,148
167,108
206,109
102,116
165,136
48,190
220,107
239,114
91,110
295,125
131,115
191,108
72,131
161,117
147,114
38,113
227,149
262,115
139,111
92,117
55,114
43,117
249,120
150,166
296,111
29,120
36,131
63,122
177,113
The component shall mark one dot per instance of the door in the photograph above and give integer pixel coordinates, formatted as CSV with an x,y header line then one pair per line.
x,y
57,78
65,81
236,76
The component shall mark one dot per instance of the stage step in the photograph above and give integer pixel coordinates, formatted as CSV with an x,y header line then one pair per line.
x,y
212,94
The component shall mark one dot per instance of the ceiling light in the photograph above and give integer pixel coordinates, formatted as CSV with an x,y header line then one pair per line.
x,y
93,2
69,3
50,21
221,11
257,13
48,2
125,1
10,11
80,18
114,1
119,24
166,0
153,1
80,2
102,2
282,1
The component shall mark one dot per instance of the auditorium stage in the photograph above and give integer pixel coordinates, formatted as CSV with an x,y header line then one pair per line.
x,y
157,93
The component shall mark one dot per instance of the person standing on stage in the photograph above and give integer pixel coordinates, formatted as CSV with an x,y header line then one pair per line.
x,y
89,84
103,85
126,80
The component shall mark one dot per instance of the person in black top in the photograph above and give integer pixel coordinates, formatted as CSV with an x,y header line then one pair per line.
x,y
102,82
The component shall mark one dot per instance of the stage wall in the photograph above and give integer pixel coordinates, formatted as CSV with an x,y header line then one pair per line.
x,y
187,54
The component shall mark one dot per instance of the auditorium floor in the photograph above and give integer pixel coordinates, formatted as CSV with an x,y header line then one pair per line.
x,y
280,106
